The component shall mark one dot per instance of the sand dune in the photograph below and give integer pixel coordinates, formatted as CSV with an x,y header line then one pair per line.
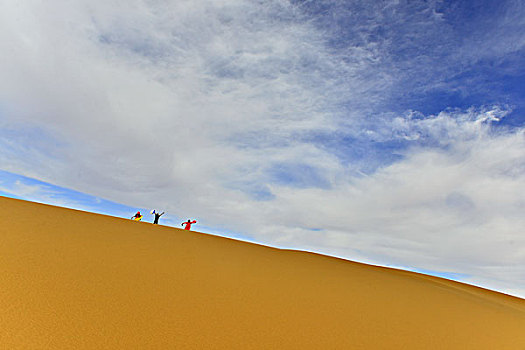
x,y
76,280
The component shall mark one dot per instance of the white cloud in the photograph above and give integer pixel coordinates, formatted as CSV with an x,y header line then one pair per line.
x,y
458,209
211,109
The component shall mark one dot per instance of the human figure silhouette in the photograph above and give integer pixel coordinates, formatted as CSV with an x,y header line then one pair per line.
x,y
187,224
157,216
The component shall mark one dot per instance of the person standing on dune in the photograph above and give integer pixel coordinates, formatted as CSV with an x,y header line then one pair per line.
x,y
157,216
188,224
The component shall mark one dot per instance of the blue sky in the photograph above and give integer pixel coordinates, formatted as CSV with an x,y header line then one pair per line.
x,y
21,187
388,132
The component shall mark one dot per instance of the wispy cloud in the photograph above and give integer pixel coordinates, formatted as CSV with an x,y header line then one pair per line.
x,y
374,131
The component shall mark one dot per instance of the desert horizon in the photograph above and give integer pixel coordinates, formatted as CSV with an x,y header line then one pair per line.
x,y
74,279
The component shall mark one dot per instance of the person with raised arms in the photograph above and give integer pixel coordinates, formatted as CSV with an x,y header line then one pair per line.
x,y
187,224
157,216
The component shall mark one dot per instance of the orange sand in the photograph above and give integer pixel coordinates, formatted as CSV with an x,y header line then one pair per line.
x,y
76,280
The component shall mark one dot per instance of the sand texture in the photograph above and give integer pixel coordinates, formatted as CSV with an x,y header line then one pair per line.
x,y
77,280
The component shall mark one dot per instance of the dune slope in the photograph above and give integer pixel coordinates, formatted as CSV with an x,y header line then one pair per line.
x,y
77,280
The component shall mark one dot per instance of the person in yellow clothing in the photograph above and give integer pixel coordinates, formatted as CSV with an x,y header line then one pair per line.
x,y
137,217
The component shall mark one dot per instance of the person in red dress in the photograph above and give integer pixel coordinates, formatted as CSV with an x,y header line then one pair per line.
x,y
187,224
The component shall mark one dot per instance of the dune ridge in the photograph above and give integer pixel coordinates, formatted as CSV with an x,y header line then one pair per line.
x,y
76,280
